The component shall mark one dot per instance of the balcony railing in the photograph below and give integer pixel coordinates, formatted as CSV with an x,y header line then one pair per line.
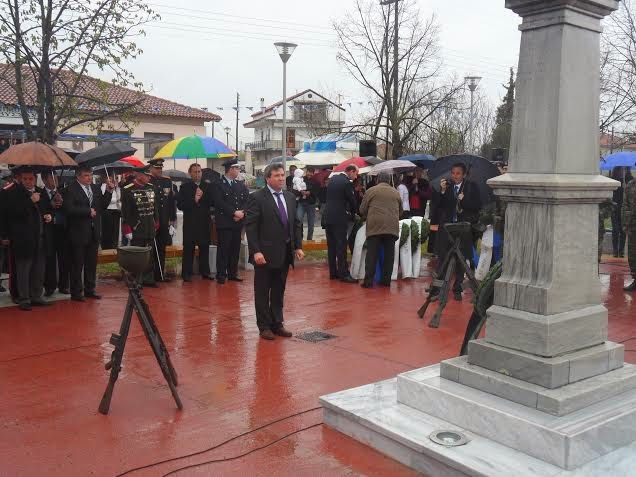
x,y
273,145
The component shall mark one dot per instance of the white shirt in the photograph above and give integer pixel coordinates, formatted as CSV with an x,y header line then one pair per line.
x,y
404,195
115,198
282,198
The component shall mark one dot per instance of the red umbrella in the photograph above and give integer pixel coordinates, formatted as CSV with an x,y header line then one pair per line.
x,y
357,161
133,161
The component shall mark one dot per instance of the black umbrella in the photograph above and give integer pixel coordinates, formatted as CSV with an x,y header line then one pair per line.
x,y
104,155
479,170
175,175
116,167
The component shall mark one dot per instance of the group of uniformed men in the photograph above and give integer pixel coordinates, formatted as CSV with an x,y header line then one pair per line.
x,y
53,233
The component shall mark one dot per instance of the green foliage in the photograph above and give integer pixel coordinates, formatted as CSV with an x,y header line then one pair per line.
x,y
404,234
500,137
415,235
425,231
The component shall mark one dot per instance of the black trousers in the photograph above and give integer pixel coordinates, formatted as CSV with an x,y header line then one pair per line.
x,y
188,256
84,259
57,269
110,228
374,243
163,240
228,251
337,250
30,275
269,296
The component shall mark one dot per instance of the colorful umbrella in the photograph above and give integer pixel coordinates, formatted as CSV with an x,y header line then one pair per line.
x,y
132,160
195,147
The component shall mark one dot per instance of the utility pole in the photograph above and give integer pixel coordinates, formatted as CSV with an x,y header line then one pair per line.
x,y
237,123
396,45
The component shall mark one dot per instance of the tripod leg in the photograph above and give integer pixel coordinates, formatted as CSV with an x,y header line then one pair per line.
x,y
422,311
156,343
468,271
162,345
443,298
116,357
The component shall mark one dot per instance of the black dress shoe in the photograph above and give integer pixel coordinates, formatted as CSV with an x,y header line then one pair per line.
x,y
187,279
2,289
267,335
282,332
77,298
366,284
235,279
93,296
630,287
49,293
25,306
348,279
64,291
220,281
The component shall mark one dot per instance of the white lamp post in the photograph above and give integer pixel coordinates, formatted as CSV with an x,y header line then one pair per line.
x,y
285,51
473,82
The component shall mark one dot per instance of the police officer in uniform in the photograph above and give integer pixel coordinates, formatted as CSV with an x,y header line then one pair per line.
x,y
629,226
167,210
230,197
140,216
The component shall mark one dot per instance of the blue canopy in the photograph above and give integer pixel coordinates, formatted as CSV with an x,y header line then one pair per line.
x,y
618,159
425,161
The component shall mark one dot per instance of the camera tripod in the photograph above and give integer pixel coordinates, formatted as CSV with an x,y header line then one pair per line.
x,y
137,304
454,258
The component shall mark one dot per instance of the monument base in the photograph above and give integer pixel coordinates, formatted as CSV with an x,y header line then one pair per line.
x,y
373,415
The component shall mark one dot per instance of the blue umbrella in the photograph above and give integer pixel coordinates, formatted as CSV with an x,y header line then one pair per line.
x,y
425,161
618,159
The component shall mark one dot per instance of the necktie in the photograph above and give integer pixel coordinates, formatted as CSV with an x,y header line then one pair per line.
x,y
89,193
456,190
282,213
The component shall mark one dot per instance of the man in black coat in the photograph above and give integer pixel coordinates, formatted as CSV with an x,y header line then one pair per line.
x,y
458,201
274,235
83,204
340,211
25,220
230,197
195,200
56,274
167,210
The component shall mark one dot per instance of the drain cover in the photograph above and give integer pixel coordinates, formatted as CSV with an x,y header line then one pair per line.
x,y
315,336
449,438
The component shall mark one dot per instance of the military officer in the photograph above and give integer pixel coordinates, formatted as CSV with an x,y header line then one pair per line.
x,y
140,218
230,197
167,210
628,216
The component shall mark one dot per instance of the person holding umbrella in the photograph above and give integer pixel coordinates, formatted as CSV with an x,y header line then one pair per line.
x,y
56,274
167,210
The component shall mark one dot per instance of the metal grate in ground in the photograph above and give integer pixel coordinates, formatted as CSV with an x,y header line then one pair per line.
x,y
315,336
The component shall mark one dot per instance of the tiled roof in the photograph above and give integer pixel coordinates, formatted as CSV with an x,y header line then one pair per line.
x,y
112,94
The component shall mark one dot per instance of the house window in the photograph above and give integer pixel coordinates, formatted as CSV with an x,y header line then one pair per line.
x,y
154,142
291,138
314,113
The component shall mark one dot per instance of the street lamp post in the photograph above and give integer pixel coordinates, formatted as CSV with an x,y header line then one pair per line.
x,y
227,135
473,82
285,51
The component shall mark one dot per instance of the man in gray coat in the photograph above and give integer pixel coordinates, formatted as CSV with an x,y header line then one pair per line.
x,y
382,208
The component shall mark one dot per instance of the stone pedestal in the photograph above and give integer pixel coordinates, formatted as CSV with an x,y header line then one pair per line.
x,y
545,381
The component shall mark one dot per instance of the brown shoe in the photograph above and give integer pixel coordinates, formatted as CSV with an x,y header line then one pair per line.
x,y
267,335
283,332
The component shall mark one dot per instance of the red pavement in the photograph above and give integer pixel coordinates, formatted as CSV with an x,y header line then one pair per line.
x,y
250,405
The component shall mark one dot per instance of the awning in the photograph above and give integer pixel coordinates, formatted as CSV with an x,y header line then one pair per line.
x,y
325,158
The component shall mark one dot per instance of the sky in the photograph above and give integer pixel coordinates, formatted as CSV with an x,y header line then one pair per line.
x,y
202,53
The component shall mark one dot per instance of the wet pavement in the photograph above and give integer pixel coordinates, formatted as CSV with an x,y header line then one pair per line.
x,y
251,407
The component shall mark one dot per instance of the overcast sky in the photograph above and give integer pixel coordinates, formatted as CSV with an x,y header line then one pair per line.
x,y
202,53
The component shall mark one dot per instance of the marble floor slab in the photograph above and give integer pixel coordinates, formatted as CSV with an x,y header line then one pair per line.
x,y
372,415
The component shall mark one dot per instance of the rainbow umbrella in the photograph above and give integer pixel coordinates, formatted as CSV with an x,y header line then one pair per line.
x,y
195,147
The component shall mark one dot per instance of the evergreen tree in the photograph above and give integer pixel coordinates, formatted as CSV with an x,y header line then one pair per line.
x,y
500,137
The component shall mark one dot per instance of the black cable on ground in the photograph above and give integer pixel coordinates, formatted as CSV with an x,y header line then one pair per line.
x,y
244,434
228,459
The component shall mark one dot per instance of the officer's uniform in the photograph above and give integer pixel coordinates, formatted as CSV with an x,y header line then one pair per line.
x,y
139,218
229,196
167,210
628,216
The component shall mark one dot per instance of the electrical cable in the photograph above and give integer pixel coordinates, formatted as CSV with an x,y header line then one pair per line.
x,y
227,441
256,449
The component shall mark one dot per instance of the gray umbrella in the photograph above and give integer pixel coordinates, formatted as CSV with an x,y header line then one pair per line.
x,y
392,167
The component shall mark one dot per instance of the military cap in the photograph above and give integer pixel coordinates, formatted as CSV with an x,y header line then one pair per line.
x,y
156,163
230,163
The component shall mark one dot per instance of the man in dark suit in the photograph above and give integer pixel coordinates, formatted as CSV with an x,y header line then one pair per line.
x,y
274,235
167,210
56,274
26,217
458,201
83,203
340,211
230,197
195,200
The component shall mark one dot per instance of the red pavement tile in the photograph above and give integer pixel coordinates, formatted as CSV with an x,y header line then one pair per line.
x,y
250,407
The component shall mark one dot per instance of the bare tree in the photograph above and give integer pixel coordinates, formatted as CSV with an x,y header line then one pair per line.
x,y
366,40
48,48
